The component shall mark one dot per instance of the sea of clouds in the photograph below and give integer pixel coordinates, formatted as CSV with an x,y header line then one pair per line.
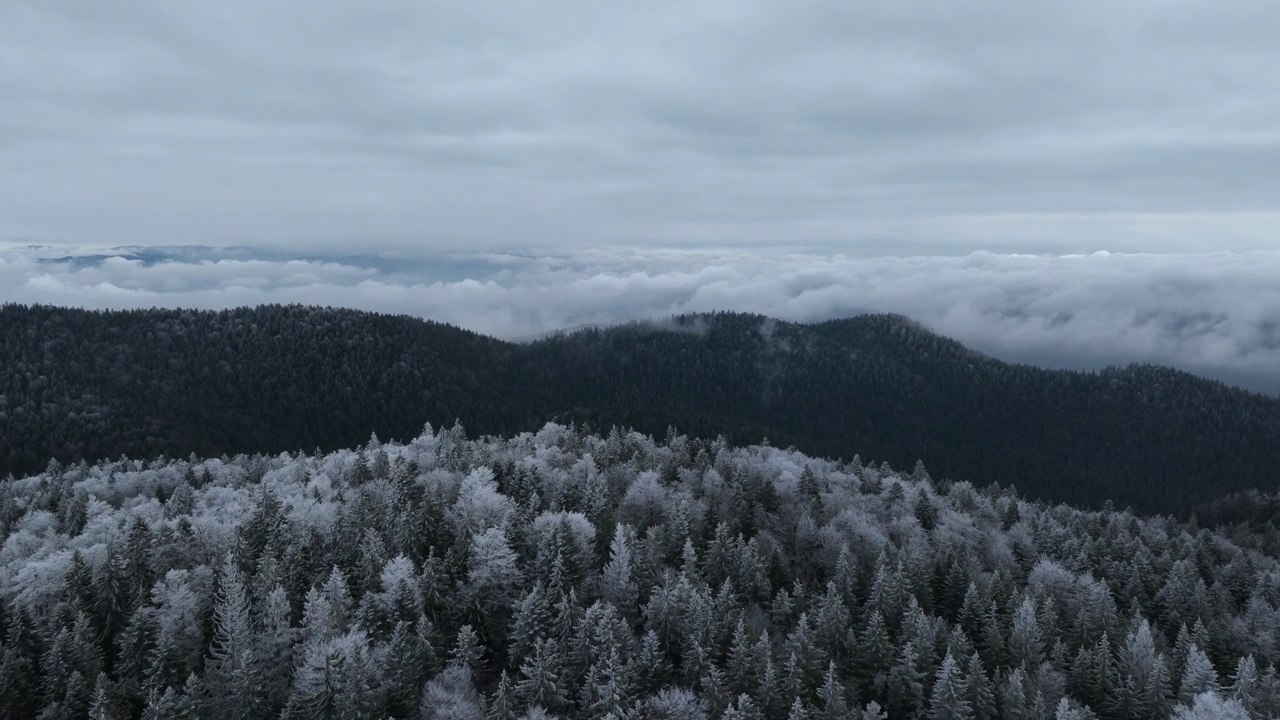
x,y
1216,314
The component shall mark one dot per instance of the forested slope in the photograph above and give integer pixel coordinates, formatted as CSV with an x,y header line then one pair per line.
x,y
568,575
78,384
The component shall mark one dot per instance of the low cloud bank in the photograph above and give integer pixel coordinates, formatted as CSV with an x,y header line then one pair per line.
x,y
1216,314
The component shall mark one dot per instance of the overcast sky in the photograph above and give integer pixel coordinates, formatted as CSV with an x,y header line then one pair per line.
x,y
514,166
906,127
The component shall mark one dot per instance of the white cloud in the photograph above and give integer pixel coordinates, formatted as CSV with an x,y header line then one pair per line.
x,y
1213,313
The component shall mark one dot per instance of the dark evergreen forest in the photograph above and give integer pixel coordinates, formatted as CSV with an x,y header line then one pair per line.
x,y
571,576
95,385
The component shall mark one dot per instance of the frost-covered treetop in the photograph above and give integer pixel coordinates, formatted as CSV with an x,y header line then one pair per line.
x,y
572,575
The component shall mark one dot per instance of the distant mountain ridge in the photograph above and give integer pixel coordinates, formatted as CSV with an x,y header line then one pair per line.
x,y
92,384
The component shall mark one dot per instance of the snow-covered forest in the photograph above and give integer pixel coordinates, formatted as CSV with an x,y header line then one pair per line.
x,y
568,575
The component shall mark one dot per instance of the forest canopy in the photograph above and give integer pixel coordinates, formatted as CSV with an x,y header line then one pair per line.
x,y
562,574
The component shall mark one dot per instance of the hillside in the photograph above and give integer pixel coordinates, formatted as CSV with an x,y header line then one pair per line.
x,y
573,576
81,384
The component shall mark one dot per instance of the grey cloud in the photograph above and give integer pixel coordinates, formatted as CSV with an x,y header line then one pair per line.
x,y
445,126
1211,313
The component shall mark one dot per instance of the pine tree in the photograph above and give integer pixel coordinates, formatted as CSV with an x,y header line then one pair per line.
x,y
274,649
1244,685
56,666
905,686
949,699
533,616
831,620
319,622
540,681
925,512
1198,676
164,706
1026,644
336,680
971,611
78,698
493,571
192,701
566,616
887,594
501,705
714,689
744,708
798,711
233,676
616,583
768,692
1013,701
992,641
17,684
651,667
875,652
1104,674
743,669
1181,646
982,696
337,591
832,696
608,685
102,707
467,650
1143,685
803,645
407,660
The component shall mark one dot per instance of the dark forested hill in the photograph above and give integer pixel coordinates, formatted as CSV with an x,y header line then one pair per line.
x,y
82,384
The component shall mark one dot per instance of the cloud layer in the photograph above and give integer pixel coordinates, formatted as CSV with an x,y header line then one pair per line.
x,y
911,127
1211,313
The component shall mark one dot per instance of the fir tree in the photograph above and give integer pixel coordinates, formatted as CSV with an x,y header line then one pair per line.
x,y
234,680
616,583
905,690
831,696
540,681
1026,644
1198,676
949,699
1244,684
502,702
1013,701
467,650
982,696
798,711
1142,689
274,649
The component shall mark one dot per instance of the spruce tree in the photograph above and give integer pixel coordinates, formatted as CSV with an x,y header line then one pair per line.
x,y
540,682
617,584
982,695
949,699
1244,684
234,679
1198,676
904,689
831,696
